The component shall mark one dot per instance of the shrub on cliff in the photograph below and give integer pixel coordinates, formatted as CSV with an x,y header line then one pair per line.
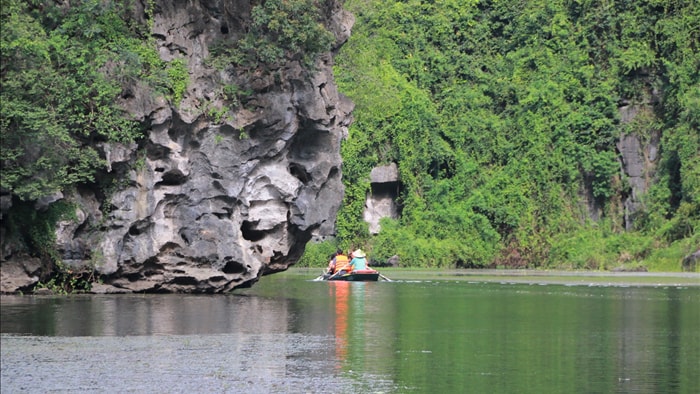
x,y
277,30
63,70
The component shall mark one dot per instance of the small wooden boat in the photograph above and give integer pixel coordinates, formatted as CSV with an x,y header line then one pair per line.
x,y
369,275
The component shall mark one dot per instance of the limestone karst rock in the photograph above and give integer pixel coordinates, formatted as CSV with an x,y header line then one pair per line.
x,y
209,203
381,202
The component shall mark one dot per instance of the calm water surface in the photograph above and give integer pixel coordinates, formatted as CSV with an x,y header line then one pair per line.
x,y
289,334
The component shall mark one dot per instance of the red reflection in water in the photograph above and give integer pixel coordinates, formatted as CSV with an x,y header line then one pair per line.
x,y
341,293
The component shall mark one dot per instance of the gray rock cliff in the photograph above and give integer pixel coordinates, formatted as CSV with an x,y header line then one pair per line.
x,y
382,201
639,154
211,203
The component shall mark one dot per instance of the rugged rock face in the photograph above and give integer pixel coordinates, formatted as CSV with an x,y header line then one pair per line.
x,y
210,203
381,202
638,159
690,262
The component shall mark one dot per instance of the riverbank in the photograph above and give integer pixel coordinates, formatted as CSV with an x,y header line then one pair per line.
x,y
570,278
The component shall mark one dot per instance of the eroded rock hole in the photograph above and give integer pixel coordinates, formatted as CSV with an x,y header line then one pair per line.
x,y
385,190
310,143
250,233
185,280
218,186
333,173
173,178
233,267
139,227
299,172
133,277
168,246
157,152
127,94
226,214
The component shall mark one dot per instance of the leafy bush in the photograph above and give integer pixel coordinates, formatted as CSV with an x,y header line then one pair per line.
x,y
671,258
279,29
598,247
317,254
37,230
468,244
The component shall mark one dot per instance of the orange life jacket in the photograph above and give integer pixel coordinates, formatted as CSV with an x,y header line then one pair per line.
x,y
342,263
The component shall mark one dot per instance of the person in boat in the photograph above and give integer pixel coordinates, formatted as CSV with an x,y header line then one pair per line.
x,y
359,261
340,264
331,265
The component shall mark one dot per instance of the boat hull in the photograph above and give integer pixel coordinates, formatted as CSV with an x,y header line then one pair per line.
x,y
358,276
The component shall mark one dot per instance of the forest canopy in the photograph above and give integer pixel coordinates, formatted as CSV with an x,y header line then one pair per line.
x,y
504,116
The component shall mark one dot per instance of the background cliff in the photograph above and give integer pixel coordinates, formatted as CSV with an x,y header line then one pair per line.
x,y
524,134
187,146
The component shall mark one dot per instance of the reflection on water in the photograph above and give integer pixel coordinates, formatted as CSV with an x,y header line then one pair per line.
x,y
341,293
353,332
121,315
291,334
177,343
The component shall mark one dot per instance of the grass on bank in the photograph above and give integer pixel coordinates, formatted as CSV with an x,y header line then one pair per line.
x,y
569,278
591,249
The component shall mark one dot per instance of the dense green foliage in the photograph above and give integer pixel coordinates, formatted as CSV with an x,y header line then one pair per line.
x,y
36,231
500,114
278,30
63,69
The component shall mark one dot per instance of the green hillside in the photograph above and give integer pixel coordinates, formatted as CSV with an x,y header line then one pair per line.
x,y
502,115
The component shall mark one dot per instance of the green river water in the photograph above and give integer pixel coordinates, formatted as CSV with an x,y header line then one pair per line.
x,y
421,333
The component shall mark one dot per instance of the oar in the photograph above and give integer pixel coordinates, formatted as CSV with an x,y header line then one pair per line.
x,y
337,274
320,277
385,278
